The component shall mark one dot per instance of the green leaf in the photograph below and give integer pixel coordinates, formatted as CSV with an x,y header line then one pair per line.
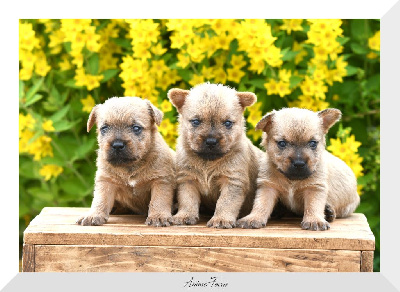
x,y
21,89
258,83
33,99
342,40
359,29
53,160
84,149
351,70
289,55
71,83
294,81
41,194
74,187
108,74
125,43
64,125
358,49
35,88
60,114
93,63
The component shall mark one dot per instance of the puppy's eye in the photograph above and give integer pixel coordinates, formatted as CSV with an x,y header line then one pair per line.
x,y
103,129
313,144
228,124
282,144
137,129
195,122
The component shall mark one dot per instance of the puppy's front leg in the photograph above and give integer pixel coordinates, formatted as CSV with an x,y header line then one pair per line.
x,y
264,202
103,201
160,204
188,204
228,206
314,208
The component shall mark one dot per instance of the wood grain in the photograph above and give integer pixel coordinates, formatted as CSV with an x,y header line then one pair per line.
x,y
57,226
28,258
367,261
58,258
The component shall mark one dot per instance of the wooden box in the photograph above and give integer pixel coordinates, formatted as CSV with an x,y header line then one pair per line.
x,y
54,243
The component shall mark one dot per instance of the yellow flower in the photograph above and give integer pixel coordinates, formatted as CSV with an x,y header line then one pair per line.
x,y
374,42
196,79
284,75
292,25
50,170
184,60
254,134
158,50
254,117
271,86
48,126
237,61
235,74
166,127
88,103
283,88
93,81
219,75
166,106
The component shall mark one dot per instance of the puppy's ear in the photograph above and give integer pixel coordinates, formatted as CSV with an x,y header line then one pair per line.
x,y
155,113
246,99
177,97
92,117
329,117
266,122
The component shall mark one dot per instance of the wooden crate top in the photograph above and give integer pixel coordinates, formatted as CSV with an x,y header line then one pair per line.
x,y
56,226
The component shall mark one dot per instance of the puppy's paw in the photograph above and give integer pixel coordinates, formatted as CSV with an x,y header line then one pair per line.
x,y
315,224
184,218
330,213
159,221
251,222
220,222
92,220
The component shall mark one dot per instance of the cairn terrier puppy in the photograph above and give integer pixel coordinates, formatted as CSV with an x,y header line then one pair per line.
x,y
217,165
135,166
299,172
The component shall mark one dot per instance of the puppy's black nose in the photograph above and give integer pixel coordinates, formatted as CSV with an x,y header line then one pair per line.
x,y
211,141
118,145
299,163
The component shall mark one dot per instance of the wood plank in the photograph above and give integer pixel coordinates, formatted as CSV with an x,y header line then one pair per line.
x,y
367,261
176,236
355,222
28,258
57,226
57,258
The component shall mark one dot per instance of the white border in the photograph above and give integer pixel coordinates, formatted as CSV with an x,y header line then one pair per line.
x,y
201,9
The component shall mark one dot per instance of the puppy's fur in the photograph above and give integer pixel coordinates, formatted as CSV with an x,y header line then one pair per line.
x,y
217,164
308,180
135,167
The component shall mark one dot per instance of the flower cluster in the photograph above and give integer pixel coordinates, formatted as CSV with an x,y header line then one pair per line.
x,y
346,147
31,55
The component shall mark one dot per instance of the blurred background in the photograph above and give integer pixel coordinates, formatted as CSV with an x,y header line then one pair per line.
x,y
67,66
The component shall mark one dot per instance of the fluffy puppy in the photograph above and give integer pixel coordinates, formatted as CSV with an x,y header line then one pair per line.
x,y
298,171
217,164
135,166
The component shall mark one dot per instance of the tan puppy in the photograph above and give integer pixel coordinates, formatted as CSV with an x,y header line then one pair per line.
x,y
135,167
298,171
217,164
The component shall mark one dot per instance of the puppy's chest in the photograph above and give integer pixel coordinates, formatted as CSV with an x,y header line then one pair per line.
x,y
292,199
209,182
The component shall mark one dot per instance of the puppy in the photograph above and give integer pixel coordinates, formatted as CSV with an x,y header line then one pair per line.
x,y
217,164
135,166
298,171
